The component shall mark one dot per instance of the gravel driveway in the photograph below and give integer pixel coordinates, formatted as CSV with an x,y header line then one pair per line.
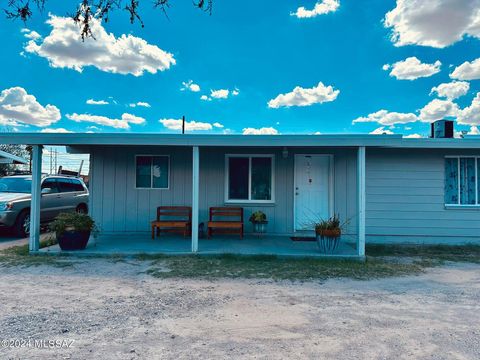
x,y
112,311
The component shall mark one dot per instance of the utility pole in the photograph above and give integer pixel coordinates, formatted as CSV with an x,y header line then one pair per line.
x,y
51,160
183,124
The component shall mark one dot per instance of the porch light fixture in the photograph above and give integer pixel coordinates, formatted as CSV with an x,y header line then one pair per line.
x,y
285,152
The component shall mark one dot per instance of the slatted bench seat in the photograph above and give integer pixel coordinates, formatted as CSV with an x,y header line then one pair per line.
x,y
225,220
173,219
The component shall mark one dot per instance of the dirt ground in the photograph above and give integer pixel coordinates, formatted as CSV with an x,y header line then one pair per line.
x,y
112,311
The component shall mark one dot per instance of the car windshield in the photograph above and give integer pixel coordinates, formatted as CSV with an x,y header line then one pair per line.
x,y
15,185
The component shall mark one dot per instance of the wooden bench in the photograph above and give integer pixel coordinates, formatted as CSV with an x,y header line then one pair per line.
x,y
173,219
225,220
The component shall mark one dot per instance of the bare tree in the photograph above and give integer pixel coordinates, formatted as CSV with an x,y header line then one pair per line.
x,y
18,150
88,10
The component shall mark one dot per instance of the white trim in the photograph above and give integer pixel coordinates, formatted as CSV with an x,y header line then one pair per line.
x,y
465,206
476,180
361,165
35,207
458,205
249,200
195,195
331,182
151,172
458,182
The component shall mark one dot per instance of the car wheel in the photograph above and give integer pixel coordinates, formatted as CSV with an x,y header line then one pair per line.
x,y
81,209
22,225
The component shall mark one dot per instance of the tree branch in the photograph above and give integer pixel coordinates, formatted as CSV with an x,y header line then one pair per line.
x,y
88,10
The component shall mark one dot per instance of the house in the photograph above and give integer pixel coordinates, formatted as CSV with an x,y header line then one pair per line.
x,y
387,189
7,158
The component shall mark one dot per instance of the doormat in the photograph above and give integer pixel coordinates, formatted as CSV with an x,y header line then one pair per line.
x,y
302,238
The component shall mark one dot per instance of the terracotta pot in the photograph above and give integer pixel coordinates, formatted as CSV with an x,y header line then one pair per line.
x,y
333,233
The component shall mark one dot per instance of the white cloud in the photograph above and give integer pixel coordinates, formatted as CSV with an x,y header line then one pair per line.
x,y
126,54
140,103
30,34
57,130
438,109
467,71
384,117
260,131
320,8
411,68
219,94
435,23
413,136
473,130
19,107
96,102
176,124
452,90
305,97
471,114
190,85
381,131
122,123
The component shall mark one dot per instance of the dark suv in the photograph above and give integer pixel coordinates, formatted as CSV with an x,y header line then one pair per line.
x,y
59,194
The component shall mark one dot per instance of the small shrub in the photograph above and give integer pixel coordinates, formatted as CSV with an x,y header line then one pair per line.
x,y
73,221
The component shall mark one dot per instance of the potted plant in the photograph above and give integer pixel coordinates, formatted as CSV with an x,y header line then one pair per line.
x,y
259,221
73,230
328,233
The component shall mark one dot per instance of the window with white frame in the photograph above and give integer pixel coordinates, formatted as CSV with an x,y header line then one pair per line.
x,y
152,172
461,180
249,178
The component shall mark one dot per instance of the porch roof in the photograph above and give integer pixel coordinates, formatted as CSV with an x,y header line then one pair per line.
x,y
335,140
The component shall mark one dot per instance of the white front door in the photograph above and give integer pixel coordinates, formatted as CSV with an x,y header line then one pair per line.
x,y
312,190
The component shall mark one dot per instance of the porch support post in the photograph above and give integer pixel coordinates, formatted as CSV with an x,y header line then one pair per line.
x,y
34,242
195,196
361,201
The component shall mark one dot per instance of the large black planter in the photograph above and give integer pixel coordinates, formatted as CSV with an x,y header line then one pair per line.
x,y
73,240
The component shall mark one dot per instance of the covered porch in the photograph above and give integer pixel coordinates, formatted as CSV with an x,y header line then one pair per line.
x,y
198,174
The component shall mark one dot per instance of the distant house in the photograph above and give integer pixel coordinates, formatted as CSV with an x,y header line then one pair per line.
x,y
387,189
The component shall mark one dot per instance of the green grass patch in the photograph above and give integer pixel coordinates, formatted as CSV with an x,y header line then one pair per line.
x,y
271,267
441,253
20,256
382,261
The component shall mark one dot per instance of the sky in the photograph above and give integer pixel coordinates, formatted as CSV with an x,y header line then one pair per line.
x,y
251,67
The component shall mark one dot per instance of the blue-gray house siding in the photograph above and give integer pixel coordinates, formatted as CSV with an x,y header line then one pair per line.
x,y
404,191
118,206
405,199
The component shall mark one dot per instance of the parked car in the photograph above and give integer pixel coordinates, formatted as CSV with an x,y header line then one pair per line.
x,y
59,194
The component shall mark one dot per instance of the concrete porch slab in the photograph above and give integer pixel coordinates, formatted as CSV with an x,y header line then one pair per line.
x,y
141,243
